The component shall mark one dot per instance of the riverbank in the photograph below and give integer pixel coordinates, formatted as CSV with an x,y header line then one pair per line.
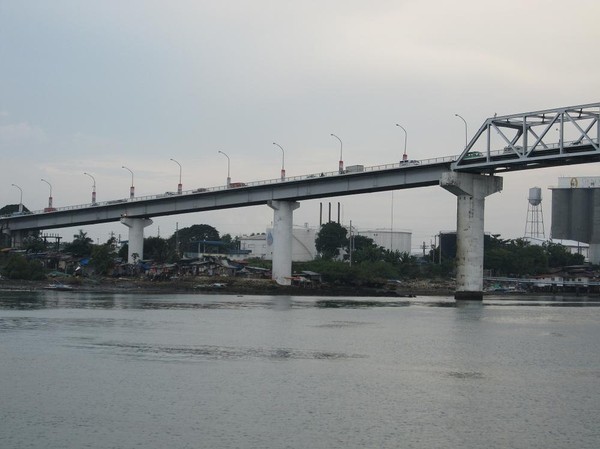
x,y
230,285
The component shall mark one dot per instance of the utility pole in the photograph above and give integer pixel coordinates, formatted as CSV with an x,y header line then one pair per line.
x,y
177,238
350,244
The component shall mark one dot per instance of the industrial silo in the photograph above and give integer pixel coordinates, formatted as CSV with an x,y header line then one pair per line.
x,y
576,212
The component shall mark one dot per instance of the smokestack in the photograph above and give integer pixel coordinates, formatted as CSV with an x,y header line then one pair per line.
x,y
320,214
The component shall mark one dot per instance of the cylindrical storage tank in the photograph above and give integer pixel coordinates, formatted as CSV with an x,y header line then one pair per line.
x,y
561,214
581,214
595,234
535,196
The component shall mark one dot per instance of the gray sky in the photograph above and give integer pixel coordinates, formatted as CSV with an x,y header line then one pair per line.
x,y
91,86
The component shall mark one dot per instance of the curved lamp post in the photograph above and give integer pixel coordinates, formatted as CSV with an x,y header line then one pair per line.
x,y
282,161
132,188
341,164
404,155
466,127
179,186
50,197
228,168
93,187
21,199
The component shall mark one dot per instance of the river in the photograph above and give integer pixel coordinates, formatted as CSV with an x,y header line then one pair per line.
x,y
91,370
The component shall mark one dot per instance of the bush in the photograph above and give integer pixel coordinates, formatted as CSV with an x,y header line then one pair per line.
x,y
18,267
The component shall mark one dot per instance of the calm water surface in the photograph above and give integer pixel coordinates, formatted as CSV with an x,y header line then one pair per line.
x,y
224,371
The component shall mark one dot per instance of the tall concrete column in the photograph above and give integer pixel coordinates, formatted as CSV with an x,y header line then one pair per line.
x,y
136,236
282,240
16,239
471,191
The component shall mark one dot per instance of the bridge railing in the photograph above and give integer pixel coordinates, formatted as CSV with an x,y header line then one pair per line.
x,y
197,191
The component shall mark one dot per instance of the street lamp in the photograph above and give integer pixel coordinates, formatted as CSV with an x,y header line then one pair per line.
x,y
341,165
21,200
282,161
179,186
228,167
50,197
93,187
132,188
466,127
404,155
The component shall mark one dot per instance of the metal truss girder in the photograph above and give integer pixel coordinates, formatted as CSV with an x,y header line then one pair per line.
x,y
514,133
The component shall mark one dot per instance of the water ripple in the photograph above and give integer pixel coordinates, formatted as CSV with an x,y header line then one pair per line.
x,y
209,352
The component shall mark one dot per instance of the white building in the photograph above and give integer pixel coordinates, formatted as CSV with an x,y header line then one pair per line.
x,y
390,240
573,246
256,244
303,244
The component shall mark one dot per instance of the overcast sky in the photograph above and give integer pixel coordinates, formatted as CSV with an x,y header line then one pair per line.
x,y
90,86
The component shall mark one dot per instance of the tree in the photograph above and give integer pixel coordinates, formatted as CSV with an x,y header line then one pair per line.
x,y
560,256
366,251
123,253
103,258
196,233
18,267
11,209
81,245
157,249
330,238
34,243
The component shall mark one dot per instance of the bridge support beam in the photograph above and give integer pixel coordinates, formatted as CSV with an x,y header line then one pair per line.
x,y
136,237
283,212
471,191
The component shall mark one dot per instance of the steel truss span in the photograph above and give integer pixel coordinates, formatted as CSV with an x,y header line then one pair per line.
x,y
561,136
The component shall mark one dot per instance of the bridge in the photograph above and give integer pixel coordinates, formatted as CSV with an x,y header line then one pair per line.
x,y
560,136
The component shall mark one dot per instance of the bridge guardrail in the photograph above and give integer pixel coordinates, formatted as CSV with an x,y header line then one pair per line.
x,y
121,201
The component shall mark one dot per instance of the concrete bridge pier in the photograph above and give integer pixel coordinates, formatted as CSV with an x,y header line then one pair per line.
x,y
16,237
471,191
283,212
136,236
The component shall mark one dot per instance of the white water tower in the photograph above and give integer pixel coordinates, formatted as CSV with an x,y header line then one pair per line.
x,y
534,226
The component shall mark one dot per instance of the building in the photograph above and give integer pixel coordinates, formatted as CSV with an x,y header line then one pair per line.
x,y
390,240
303,244
573,246
256,244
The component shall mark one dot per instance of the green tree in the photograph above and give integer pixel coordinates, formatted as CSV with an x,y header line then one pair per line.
x,y
34,243
330,238
157,249
123,252
188,237
560,256
11,209
103,258
81,245
18,267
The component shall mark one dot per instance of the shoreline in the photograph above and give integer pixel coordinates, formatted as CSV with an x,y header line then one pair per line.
x,y
235,286
225,286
